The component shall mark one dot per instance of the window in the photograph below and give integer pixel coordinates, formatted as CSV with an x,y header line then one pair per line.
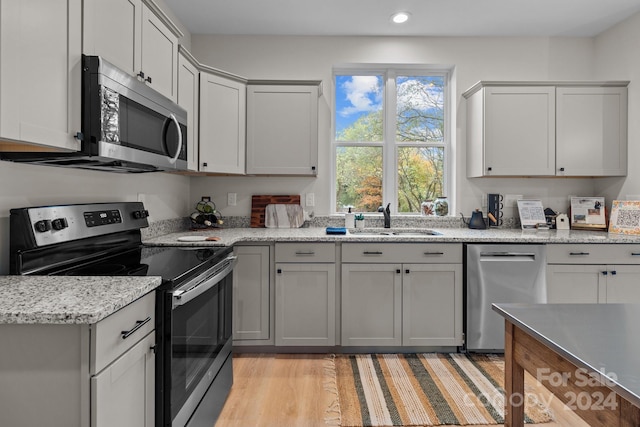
x,y
391,138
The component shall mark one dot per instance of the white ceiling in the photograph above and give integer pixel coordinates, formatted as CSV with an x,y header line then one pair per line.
x,y
428,17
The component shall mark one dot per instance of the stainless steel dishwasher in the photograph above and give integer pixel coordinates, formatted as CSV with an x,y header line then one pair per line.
x,y
503,274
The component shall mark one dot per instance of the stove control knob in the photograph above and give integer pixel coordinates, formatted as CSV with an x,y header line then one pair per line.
x,y
140,214
43,225
59,223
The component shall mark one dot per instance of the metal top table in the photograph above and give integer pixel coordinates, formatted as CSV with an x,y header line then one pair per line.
x,y
599,342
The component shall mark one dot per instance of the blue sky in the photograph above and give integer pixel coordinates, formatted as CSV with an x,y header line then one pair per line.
x,y
356,96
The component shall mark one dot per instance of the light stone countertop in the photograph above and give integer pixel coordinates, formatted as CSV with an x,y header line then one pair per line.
x,y
232,236
68,299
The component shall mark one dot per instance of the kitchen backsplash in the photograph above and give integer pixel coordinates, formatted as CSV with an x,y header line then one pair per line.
x,y
180,224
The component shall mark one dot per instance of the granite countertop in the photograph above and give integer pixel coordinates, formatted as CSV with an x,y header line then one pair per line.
x,y
68,299
231,236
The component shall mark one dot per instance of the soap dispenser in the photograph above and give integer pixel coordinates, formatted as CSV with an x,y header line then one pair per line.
x,y
349,219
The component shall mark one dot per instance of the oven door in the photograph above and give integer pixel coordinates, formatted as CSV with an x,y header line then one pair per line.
x,y
200,338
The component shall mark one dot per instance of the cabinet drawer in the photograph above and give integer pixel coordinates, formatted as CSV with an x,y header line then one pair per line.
x,y
436,253
305,252
593,254
109,338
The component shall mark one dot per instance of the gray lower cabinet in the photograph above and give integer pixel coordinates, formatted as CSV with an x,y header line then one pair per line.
x,y
252,296
305,285
80,375
390,303
592,273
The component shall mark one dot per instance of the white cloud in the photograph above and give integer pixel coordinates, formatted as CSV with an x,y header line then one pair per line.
x,y
364,93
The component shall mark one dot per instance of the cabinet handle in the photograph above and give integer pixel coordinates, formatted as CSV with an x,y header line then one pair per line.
x,y
614,272
79,136
303,253
578,253
433,253
141,74
153,348
139,324
604,273
372,253
635,253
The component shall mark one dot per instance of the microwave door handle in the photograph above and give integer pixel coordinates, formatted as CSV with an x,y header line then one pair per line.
x,y
173,159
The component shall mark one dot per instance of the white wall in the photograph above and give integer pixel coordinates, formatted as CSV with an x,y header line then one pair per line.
x,y
165,195
474,59
617,56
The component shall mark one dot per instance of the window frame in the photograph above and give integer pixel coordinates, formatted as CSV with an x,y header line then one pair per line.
x,y
389,142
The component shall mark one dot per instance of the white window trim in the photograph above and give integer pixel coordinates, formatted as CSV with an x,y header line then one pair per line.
x,y
389,73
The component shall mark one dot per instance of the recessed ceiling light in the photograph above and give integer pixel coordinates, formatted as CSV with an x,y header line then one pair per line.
x,y
400,17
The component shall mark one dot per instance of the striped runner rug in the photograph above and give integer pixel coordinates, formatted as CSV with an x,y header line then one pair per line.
x,y
427,389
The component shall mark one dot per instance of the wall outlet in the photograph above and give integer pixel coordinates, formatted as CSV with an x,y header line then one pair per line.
x,y
310,200
511,200
232,199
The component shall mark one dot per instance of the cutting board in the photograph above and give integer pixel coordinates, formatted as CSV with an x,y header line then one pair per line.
x,y
283,216
260,202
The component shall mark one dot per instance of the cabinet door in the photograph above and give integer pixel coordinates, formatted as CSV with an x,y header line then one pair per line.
x,y
575,283
591,126
371,304
282,129
123,394
251,300
222,124
622,284
432,305
188,98
305,304
40,67
159,55
120,45
519,131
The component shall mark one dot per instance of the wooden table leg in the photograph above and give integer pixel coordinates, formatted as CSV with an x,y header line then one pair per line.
x,y
513,382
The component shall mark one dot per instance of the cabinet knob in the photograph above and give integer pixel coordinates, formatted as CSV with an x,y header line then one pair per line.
x,y
614,272
561,169
141,74
407,271
79,136
204,165
604,273
148,80
398,271
279,271
489,168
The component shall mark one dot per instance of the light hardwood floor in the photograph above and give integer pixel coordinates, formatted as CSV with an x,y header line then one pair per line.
x,y
286,390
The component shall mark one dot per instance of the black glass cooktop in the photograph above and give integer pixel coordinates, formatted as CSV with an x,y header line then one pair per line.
x,y
170,263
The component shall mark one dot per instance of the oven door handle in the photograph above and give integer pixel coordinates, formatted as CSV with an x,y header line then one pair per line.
x,y
188,292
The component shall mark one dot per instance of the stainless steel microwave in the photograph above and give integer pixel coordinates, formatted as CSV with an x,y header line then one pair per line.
x,y
126,126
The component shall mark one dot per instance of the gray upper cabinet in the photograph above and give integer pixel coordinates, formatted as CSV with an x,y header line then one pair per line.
x,y
282,128
591,131
40,67
222,122
144,43
188,98
547,129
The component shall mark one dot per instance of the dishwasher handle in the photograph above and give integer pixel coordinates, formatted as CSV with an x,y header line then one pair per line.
x,y
507,256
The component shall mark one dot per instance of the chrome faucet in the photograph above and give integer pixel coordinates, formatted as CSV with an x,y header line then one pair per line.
x,y
387,215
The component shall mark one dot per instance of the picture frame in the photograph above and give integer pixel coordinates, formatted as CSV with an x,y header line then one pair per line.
x,y
625,217
588,213
531,214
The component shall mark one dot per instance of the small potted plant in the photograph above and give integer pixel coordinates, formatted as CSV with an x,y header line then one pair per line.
x,y
359,220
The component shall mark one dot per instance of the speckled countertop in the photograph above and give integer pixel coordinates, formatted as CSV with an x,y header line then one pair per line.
x,y
231,236
68,299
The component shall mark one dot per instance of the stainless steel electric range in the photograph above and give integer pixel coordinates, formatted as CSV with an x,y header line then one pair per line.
x,y
193,333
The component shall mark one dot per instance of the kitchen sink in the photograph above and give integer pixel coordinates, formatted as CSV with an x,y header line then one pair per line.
x,y
397,233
